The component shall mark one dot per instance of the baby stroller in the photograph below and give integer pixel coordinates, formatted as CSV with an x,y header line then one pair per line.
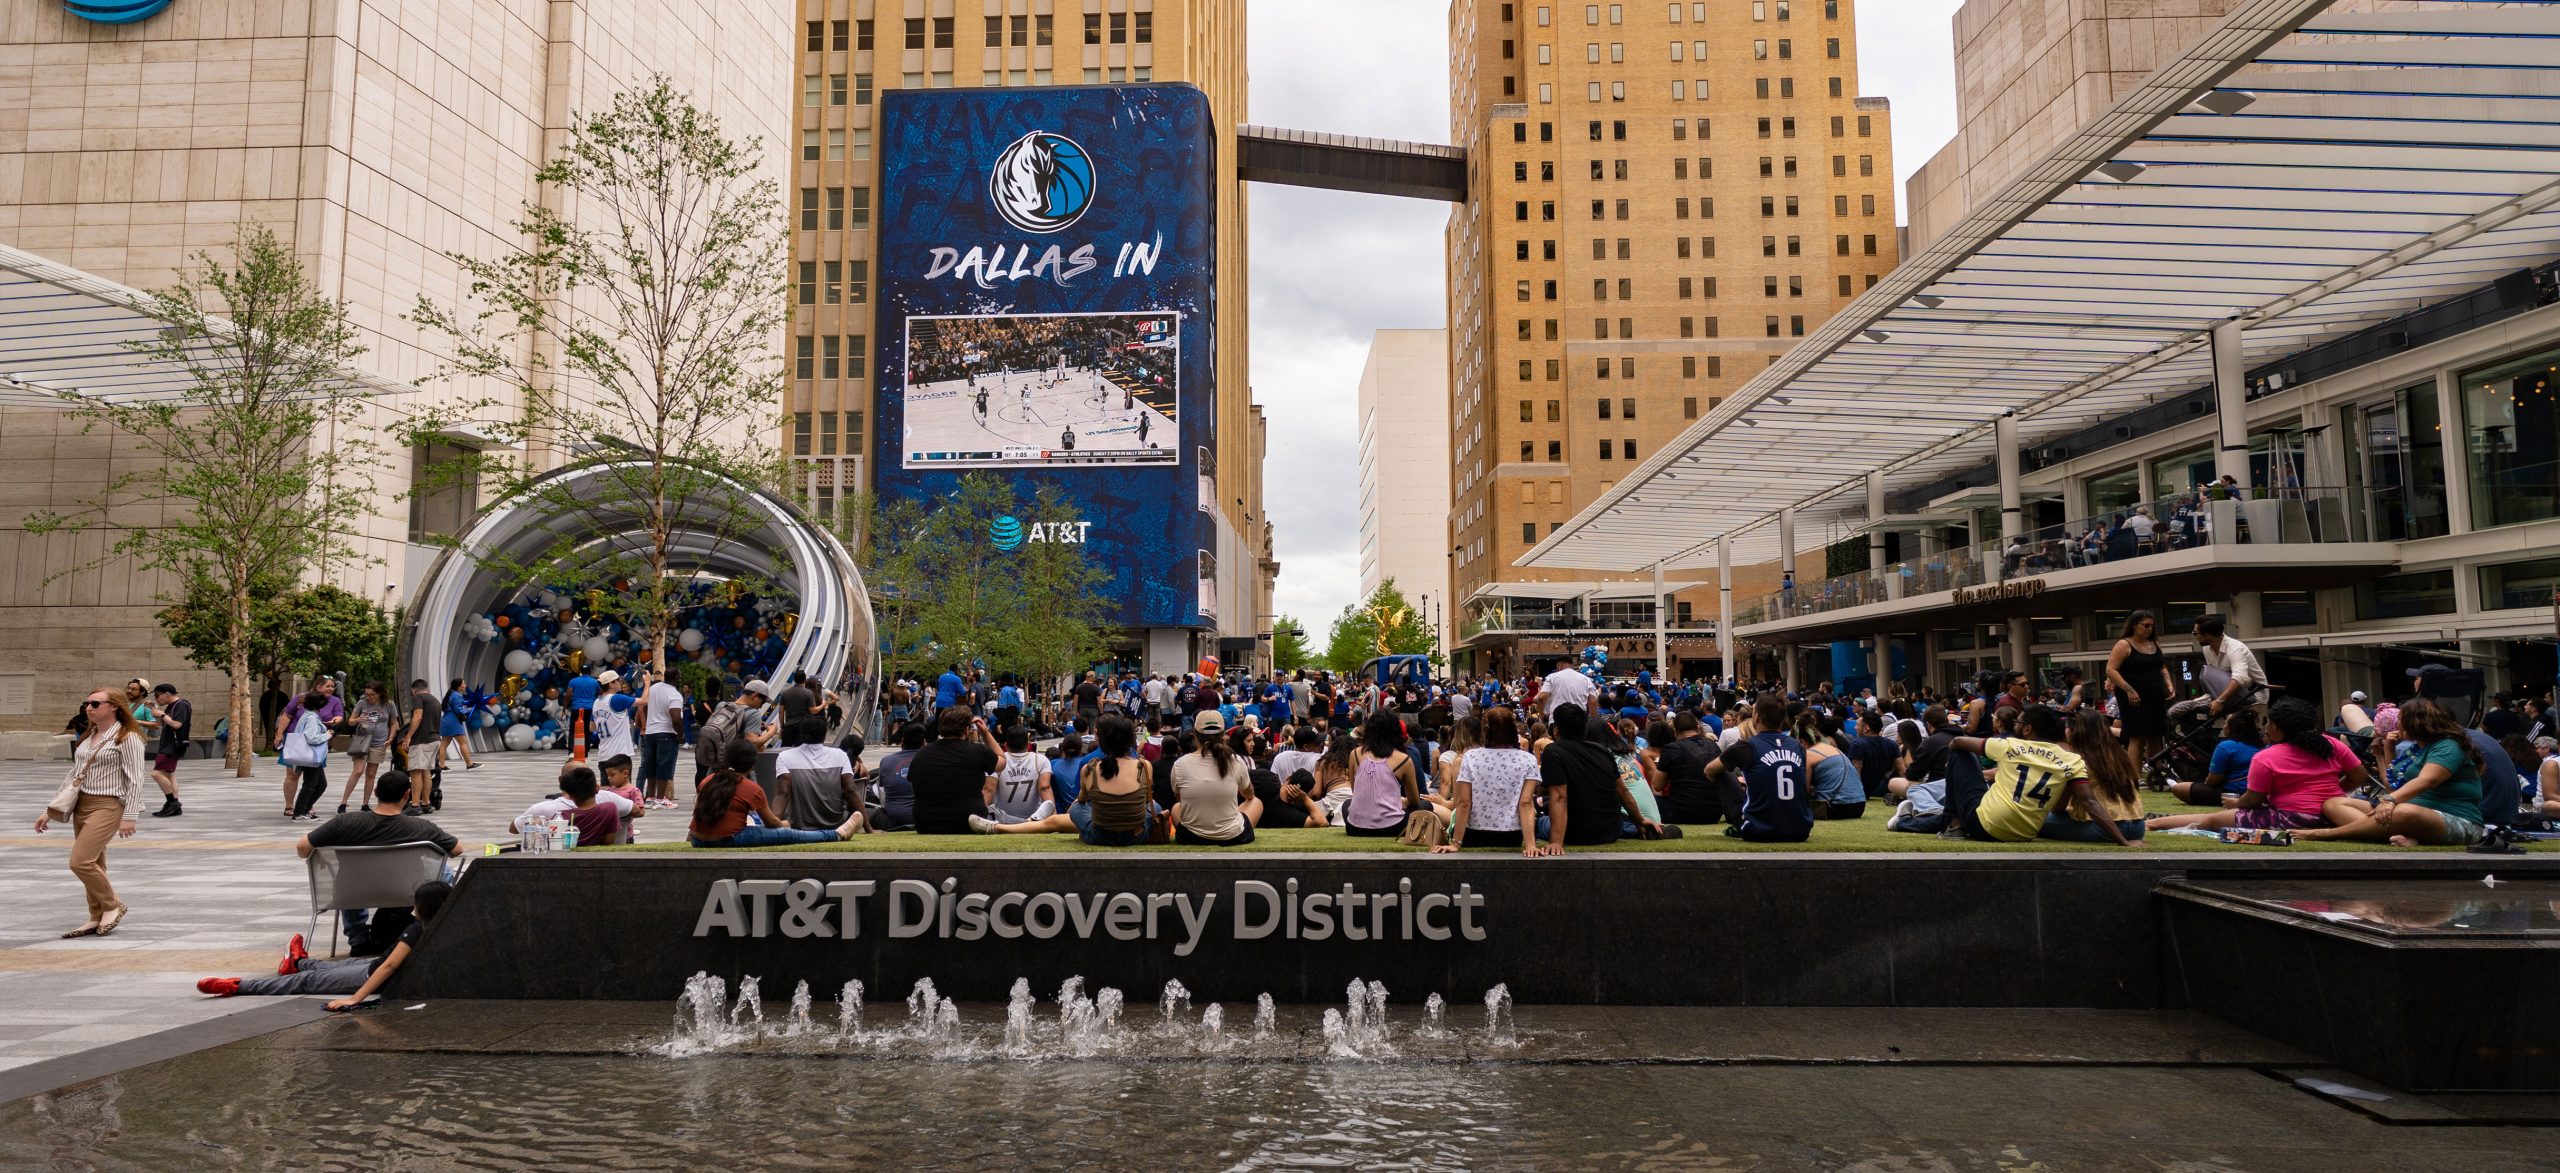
x,y
2188,748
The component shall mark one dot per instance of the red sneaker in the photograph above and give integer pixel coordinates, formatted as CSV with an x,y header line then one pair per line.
x,y
293,955
218,987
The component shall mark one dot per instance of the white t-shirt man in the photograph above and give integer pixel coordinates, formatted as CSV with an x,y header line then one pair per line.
x,y
1566,686
561,804
1290,761
665,709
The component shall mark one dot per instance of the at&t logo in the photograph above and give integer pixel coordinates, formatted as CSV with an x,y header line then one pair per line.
x,y
116,11
1007,533
1041,182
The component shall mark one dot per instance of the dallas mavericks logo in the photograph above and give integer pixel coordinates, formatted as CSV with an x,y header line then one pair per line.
x,y
1005,532
1042,182
116,11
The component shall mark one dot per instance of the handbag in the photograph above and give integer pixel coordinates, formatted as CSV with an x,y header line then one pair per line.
x,y
307,746
1424,828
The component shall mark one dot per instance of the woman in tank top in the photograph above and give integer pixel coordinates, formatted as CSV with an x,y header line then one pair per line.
x,y
1383,786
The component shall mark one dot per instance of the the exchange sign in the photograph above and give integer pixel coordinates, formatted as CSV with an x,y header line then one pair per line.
x,y
811,908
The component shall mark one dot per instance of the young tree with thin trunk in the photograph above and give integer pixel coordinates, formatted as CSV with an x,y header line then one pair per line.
x,y
256,468
636,325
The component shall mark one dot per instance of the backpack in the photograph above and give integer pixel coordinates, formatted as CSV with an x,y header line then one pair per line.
x,y
711,742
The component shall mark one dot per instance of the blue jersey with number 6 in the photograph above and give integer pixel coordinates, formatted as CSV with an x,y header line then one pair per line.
x,y
1777,802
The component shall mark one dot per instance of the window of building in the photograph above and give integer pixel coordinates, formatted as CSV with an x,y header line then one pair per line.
x,y
2528,584
1689,403
1604,404
1607,450
2424,592
2510,426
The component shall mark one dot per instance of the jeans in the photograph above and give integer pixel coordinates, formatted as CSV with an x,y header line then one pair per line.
x,y
658,758
2071,830
313,975
767,837
1082,813
1965,788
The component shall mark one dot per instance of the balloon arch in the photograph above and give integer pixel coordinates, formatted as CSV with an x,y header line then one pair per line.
x,y
515,647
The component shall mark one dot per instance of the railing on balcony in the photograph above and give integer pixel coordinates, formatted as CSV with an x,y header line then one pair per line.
x,y
1541,620
2271,516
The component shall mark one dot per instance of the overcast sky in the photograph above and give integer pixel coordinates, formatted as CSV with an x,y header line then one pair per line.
x,y
1329,268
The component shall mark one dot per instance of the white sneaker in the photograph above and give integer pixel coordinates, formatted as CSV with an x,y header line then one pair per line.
x,y
981,825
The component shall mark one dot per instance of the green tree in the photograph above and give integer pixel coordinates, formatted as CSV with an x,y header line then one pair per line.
x,y
1382,625
947,592
254,471
1058,629
332,630
199,623
1289,648
637,332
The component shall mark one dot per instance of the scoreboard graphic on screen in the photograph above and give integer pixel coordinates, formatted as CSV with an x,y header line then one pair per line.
x,y
1046,272
1025,390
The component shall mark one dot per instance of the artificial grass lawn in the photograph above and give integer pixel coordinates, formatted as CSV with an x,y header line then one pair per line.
x,y
1864,835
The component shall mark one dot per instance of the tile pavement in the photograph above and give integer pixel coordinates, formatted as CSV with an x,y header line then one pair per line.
x,y
214,891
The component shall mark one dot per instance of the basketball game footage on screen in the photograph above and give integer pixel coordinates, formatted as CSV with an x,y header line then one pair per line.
x,y
1042,389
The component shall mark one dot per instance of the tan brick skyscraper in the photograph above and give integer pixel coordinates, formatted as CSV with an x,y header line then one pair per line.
x,y
1664,197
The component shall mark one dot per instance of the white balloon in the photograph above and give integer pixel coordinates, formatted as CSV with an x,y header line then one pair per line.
x,y
691,640
597,648
519,737
518,662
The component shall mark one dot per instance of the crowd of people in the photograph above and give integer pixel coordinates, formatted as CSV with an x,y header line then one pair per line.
x,y
1539,764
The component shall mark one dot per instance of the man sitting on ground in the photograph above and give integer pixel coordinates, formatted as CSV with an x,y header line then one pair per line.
x,y
2032,776
358,978
814,783
598,814
371,930
1776,787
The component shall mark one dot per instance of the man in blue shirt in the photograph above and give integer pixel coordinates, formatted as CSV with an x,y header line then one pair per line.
x,y
1777,789
582,706
1275,704
1008,705
947,688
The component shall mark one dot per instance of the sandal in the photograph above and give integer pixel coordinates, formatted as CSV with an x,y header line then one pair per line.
x,y
88,930
115,916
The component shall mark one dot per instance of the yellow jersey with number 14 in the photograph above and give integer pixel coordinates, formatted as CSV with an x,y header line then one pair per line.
x,y
2028,780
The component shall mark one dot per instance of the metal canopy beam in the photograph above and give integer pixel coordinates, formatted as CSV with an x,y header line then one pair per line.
x,y
2305,174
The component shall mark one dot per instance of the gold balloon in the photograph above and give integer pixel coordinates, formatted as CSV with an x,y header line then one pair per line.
x,y
508,688
789,621
577,659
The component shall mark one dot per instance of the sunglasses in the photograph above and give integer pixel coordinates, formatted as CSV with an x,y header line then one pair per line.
x,y
97,704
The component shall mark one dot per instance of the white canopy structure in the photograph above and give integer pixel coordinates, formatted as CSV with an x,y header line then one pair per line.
x,y
2298,172
65,334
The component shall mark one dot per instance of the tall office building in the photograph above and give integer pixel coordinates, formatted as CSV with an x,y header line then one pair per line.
x,y
852,52
1665,197
1404,470
375,137
2030,73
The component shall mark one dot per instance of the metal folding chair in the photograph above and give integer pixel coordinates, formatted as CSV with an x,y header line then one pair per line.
x,y
385,876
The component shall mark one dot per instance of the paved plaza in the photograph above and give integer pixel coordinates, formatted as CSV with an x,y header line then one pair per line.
x,y
214,891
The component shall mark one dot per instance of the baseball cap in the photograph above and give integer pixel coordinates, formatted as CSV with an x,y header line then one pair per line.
x,y
608,676
758,687
2357,696
1210,722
